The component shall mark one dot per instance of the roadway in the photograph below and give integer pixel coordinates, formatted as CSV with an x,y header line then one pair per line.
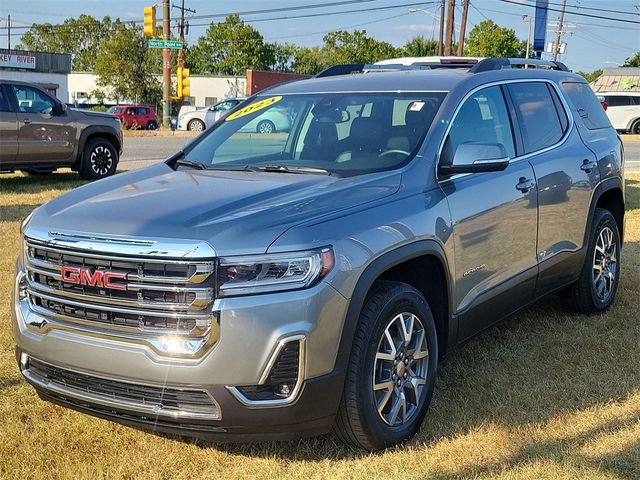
x,y
144,151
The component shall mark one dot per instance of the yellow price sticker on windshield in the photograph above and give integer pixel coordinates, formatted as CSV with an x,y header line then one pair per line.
x,y
254,107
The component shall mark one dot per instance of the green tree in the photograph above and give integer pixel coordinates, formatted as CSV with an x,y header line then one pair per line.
x,y
283,56
230,48
590,77
125,66
419,46
343,47
632,61
487,39
82,37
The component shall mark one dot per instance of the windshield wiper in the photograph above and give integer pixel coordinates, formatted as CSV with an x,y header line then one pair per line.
x,y
189,163
287,169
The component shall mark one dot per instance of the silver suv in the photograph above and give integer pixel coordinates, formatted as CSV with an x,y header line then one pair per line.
x,y
281,285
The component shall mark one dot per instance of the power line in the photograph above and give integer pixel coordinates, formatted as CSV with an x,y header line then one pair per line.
x,y
624,20
580,7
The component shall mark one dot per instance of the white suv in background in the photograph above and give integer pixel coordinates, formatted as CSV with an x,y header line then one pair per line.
x,y
201,118
623,110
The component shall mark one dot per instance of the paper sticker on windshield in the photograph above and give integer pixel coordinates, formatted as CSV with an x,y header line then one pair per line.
x,y
416,106
254,107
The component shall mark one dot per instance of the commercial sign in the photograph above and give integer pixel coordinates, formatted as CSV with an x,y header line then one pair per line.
x,y
12,60
155,43
540,28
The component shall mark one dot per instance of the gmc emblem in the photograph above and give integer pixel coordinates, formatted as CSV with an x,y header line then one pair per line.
x,y
96,278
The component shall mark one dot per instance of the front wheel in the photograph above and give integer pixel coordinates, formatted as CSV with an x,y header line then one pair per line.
x,y
99,159
152,125
391,371
265,126
195,125
596,288
635,128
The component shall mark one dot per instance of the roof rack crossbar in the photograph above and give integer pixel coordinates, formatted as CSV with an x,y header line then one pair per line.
x,y
489,64
349,68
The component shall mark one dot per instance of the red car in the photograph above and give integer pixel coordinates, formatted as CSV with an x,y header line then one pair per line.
x,y
136,116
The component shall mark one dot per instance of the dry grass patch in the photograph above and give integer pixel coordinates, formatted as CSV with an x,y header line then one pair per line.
x,y
543,395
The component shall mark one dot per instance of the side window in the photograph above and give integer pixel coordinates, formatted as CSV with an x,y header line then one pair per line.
x,y
142,111
537,115
31,100
618,100
587,105
482,118
4,104
562,114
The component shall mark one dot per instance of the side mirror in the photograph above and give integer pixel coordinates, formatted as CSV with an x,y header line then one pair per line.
x,y
60,108
477,157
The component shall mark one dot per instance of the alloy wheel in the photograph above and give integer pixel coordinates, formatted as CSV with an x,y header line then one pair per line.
x,y
400,369
605,264
101,160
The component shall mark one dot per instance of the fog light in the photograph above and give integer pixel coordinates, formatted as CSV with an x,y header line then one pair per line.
x,y
24,361
284,390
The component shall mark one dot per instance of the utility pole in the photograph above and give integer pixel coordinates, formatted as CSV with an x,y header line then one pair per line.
x,y
182,27
166,66
527,19
556,47
451,8
441,40
9,32
463,27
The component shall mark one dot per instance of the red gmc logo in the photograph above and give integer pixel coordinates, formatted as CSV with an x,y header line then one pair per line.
x,y
96,278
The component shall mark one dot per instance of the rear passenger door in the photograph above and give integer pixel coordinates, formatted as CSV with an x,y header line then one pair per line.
x,y
8,131
566,173
494,217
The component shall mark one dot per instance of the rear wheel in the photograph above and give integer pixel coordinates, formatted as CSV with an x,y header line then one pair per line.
x,y
391,371
595,290
635,127
195,125
99,159
152,125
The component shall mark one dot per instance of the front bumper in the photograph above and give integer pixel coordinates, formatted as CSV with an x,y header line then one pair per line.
x,y
251,328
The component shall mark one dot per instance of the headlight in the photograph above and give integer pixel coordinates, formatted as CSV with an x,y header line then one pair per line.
x,y
252,274
23,246
25,222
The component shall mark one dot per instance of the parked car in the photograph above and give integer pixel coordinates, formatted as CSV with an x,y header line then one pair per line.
x,y
279,286
274,120
136,116
199,119
39,134
623,109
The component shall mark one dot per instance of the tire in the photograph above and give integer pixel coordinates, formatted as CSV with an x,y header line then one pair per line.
x,y
99,159
358,422
152,125
635,127
593,293
196,125
265,126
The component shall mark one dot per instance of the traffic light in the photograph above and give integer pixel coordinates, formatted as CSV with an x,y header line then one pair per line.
x,y
183,82
149,21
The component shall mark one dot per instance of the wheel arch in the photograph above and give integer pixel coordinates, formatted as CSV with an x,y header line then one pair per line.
x,y
610,196
409,264
91,133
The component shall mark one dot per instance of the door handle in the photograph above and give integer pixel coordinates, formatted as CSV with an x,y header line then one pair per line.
x,y
26,121
588,166
525,184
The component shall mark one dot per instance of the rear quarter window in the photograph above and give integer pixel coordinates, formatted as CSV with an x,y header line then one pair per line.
x,y
587,105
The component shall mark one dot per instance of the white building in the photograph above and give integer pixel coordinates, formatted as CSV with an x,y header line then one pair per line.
x,y
205,90
46,70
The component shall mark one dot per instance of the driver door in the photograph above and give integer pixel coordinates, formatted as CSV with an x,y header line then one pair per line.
x,y
44,133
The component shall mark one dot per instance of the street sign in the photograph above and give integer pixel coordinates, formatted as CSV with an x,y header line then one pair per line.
x,y
175,44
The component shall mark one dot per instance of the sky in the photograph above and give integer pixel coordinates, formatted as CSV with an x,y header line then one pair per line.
x,y
592,43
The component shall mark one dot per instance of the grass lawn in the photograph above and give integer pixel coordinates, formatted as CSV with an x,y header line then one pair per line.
x,y
543,395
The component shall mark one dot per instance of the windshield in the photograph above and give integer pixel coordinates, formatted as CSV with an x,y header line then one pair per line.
x,y
115,110
343,133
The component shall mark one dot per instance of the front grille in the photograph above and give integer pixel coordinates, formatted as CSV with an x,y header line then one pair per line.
x,y
153,297
149,400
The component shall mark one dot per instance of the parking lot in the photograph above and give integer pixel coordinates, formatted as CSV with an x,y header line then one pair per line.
x,y
142,151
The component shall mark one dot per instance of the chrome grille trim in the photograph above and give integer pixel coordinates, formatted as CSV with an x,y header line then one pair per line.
x,y
162,298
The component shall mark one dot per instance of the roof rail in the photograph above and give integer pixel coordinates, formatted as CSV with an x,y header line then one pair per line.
x,y
349,68
489,64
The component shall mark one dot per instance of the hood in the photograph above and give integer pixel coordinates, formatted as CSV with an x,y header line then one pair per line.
x,y
91,113
235,212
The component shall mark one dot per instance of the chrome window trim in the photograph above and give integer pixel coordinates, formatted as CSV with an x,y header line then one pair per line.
x,y
280,402
562,140
113,402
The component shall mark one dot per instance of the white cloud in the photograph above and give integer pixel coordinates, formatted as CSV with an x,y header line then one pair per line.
x,y
414,28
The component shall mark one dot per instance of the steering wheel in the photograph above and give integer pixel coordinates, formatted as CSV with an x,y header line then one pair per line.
x,y
393,152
